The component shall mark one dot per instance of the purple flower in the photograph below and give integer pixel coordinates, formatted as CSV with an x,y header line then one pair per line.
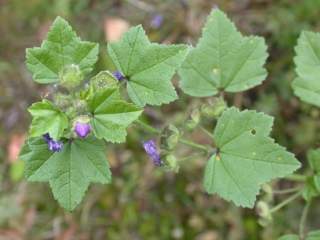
x,y
151,149
54,146
156,21
118,75
82,129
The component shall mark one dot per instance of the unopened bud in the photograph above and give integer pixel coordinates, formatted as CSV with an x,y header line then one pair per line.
x,y
170,137
214,108
71,76
194,119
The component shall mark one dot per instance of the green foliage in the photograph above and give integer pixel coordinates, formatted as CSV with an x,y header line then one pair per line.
x,y
246,157
223,60
314,235
314,159
148,67
111,115
70,171
47,118
289,237
310,189
61,49
307,85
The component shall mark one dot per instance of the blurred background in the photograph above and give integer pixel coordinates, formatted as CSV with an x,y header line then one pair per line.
x,y
144,202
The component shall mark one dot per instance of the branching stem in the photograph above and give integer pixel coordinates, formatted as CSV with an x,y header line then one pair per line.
x,y
285,202
189,143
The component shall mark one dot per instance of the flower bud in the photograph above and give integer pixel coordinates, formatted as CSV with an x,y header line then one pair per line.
x,y
194,119
263,211
214,108
81,126
71,76
151,149
170,137
171,163
103,80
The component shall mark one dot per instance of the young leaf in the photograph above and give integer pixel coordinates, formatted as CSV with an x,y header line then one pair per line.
x,y
148,67
47,118
223,60
307,85
246,157
70,171
111,115
61,49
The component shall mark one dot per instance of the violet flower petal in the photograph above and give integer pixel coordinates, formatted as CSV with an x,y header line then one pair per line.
x,y
82,129
151,149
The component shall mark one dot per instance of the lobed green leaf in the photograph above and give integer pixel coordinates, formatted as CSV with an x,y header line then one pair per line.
x,y
148,67
61,49
70,171
223,60
47,118
307,85
111,115
246,157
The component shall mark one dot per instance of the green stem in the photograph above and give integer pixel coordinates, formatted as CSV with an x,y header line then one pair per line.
x,y
285,202
286,191
193,144
206,132
181,140
296,177
303,220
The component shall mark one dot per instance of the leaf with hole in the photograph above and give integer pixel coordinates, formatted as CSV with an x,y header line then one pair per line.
x,y
246,157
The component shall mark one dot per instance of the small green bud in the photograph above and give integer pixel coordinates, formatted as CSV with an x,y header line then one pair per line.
x,y
81,119
63,101
263,211
171,163
194,119
71,76
170,137
103,80
214,108
81,106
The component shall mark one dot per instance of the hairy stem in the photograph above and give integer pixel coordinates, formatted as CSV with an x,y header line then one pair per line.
x,y
285,202
296,177
209,134
303,220
189,143
286,191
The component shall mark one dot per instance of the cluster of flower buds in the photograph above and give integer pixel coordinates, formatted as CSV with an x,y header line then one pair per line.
x,y
53,146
